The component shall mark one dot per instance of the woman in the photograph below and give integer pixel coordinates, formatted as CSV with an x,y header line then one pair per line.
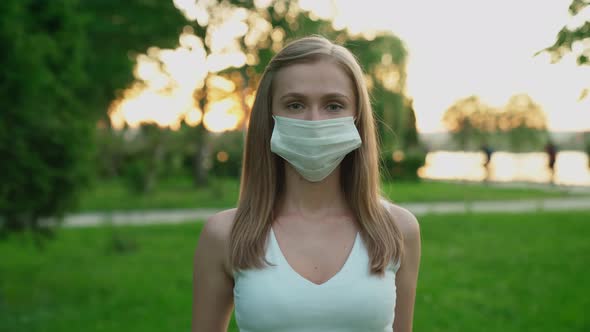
x,y
312,246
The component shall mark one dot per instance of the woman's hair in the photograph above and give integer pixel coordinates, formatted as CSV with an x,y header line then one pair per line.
x,y
263,172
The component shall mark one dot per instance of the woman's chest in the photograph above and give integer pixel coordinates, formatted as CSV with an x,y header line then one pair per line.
x,y
275,302
279,299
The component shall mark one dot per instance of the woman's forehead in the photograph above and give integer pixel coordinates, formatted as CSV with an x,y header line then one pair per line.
x,y
315,78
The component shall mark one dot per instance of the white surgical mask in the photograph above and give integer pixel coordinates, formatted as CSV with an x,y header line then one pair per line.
x,y
314,148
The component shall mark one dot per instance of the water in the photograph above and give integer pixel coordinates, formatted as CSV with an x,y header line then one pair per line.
x,y
571,167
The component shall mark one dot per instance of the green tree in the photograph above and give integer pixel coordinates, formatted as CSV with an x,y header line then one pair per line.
x,y
524,123
145,154
384,60
462,119
567,37
45,129
411,138
519,125
118,31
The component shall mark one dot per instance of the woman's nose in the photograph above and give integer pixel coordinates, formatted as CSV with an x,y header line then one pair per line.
x,y
313,113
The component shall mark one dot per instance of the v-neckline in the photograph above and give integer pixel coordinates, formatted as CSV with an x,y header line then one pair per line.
x,y
299,276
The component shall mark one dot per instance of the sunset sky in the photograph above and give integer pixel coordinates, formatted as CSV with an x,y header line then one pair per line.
x,y
463,47
457,48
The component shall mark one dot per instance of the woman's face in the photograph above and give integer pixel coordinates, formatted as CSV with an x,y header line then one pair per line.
x,y
313,91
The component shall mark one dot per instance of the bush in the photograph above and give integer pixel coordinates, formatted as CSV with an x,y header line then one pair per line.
x,y
587,148
406,168
135,176
227,155
110,152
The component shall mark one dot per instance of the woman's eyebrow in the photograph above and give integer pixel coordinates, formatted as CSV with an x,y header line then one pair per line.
x,y
335,95
302,96
293,95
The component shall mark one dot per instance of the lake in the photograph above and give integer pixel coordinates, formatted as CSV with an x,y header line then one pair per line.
x,y
571,167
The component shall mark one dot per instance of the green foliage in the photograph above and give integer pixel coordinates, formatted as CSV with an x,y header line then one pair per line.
x,y
567,37
145,157
405,168
138,154
587,146
519,126
64,62
135,175
459,119
411,138
46,132
228,145
527,129
118,31
110,155
384,60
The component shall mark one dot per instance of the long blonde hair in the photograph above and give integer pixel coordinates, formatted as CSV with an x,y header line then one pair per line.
x,y
263,172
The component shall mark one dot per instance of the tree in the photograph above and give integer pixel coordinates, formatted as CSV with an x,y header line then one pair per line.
x,y
466,119
145,154
411,138
64,62
117,31
519,125
45,130
384,60
524,121
567,37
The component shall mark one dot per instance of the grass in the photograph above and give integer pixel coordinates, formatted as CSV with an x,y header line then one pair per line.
x,y
479,272
223,193
430,191
172,193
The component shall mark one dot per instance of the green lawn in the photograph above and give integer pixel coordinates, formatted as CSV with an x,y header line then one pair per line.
x,y
223,193
488,272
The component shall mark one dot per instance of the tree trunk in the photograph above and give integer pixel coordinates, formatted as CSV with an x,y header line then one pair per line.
x,y
203,145
200,156
155,162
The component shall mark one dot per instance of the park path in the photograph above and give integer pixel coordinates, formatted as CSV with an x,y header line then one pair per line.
x,y
184,215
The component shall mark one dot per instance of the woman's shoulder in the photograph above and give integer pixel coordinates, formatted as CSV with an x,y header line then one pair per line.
x,y
214,238
219,225
405,220
408,225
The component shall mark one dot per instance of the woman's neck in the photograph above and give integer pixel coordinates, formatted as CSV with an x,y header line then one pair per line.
x,y
312,199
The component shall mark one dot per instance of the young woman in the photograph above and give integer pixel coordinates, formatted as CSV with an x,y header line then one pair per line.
x,y
312,245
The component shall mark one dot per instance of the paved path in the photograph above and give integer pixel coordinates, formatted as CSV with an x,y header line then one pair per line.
x,y
178,216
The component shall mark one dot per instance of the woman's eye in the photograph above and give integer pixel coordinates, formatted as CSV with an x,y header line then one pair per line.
x,y
295,106
334,107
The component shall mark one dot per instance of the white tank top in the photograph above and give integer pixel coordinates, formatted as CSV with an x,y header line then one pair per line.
x,y
278,299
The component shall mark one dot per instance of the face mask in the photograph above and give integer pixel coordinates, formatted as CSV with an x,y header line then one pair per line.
x,y
314,148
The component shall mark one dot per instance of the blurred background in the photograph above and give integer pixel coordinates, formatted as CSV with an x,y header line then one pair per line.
x,y
122,126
